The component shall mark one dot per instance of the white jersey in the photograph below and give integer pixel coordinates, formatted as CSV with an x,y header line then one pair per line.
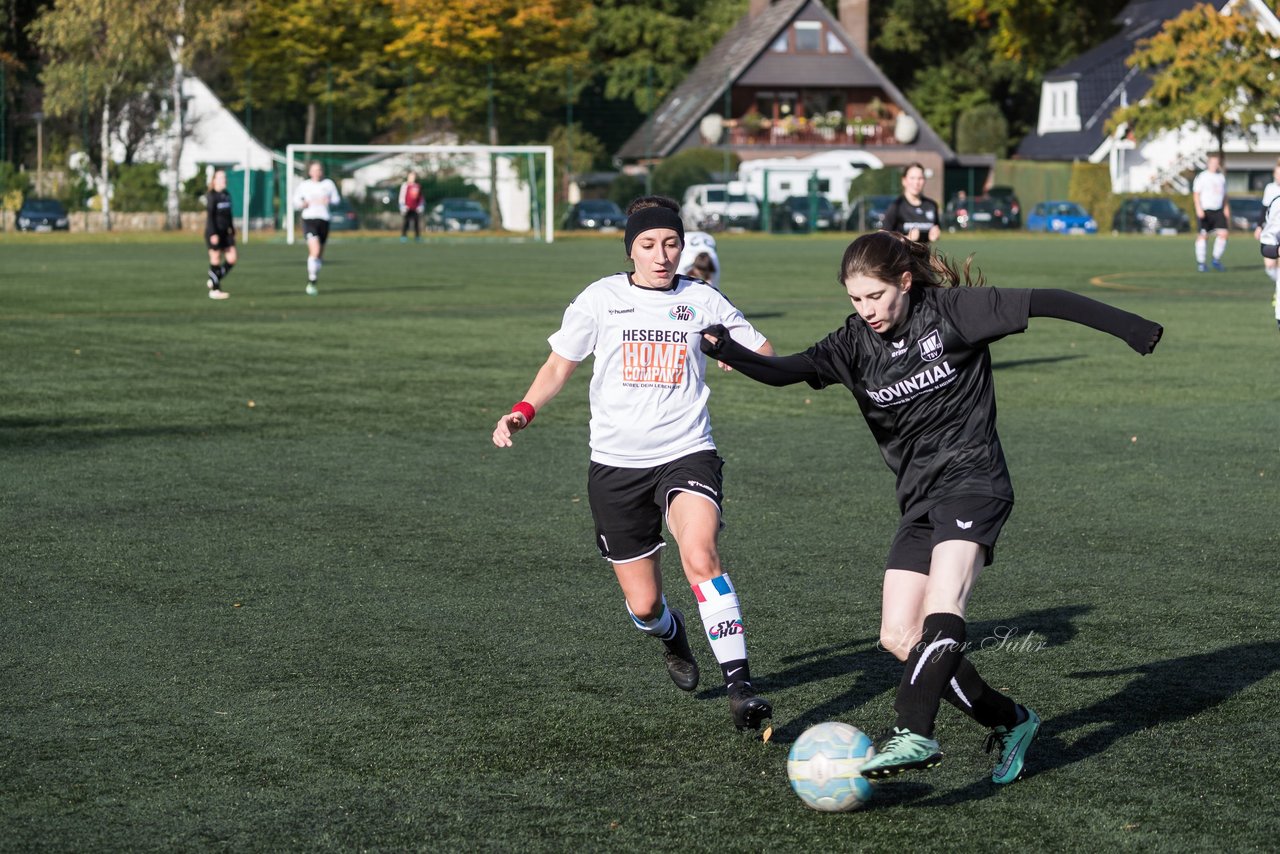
x,y
314,197
1270,215
648,388
695,243
1212,189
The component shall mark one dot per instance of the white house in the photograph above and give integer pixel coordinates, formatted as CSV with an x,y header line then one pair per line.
x,y
1078,98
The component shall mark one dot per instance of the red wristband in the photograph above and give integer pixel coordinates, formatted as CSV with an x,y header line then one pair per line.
x,y
525,409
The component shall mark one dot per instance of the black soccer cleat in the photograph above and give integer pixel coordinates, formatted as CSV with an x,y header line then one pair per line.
x,y
749,711
682,667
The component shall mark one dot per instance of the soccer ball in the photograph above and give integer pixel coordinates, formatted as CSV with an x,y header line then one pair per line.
x,y
823,767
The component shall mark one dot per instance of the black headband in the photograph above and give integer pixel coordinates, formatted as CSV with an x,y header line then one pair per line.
x,y
649,218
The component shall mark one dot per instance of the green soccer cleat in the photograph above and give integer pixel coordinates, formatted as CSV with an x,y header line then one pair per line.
x,y
900,750
1013,747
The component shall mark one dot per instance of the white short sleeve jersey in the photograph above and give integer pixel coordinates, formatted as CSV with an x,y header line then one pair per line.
x,y
1212,187
695,243
1270,235
648,387
314,197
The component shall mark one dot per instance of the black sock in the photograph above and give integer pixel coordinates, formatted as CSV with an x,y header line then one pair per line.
x,y
929,668
226,269
969,693
735,671
215,275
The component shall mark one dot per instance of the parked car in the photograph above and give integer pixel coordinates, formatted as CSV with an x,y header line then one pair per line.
x,y
595,213
1246,212
712,207
1150,216
1007,199
793,214
343,217
458,215
43,215
867,213
981,212
1060,217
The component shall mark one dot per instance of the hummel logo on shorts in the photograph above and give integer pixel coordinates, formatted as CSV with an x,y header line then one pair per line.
x,y
964,526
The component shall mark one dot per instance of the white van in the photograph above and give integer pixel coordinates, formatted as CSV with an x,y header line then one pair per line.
x,y
713,207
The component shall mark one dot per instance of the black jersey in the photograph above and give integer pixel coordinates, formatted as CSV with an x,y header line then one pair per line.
x,y
927,392
219,212
902,216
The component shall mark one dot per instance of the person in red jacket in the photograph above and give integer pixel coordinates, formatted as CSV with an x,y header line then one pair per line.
x,y
411,206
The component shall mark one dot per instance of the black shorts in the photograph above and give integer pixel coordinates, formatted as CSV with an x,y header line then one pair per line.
x,y
1212,221
628,505
973,518
1270,251
317,228
226,239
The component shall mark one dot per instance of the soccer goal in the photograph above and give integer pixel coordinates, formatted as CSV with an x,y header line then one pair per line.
x,y
512,180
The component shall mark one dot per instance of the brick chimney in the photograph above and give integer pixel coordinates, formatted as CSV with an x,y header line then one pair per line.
x,y
853,18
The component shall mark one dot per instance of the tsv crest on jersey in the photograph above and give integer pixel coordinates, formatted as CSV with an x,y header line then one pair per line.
x,y
931,346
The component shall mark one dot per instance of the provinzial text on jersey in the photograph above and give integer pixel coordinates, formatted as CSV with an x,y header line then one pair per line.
x,y
904,390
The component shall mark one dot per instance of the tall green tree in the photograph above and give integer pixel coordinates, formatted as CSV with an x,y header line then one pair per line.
x,y
1038,35
1209,69
491,68
316,52
92,50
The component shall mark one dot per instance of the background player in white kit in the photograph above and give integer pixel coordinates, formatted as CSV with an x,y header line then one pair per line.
x,y
699,258
1213,211
1268,235
651,450
314,197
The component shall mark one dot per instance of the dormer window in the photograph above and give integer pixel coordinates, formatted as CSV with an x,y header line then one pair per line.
x,y
1059,109
808,37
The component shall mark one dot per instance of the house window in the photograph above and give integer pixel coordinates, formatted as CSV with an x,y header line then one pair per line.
x,y
780,43
808,37
834,45
1059,110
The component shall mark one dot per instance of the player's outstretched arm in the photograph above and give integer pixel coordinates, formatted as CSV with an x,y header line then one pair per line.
x,y
770,370
551,378
1136,331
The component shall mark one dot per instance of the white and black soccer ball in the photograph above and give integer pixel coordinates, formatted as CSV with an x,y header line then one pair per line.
x,y
825,764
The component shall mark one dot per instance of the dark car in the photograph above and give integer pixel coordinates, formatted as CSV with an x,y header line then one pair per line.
x,y
793,214
595,214
867,213
1008,200
1150,216
1246,212
343,217
43,215
458,215
981,212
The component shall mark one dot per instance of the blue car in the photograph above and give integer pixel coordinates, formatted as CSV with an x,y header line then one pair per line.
x,y
1061,218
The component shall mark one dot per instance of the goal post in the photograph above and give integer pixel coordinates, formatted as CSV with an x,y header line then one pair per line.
x,y
521,185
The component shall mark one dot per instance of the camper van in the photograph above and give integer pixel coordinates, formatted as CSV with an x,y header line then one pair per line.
x,y
831,172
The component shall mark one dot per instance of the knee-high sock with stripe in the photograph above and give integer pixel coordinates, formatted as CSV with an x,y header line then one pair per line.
x,y
663,627
928,671
722,618
970,693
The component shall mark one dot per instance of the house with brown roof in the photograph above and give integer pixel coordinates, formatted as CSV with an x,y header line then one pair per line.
x,y
791,79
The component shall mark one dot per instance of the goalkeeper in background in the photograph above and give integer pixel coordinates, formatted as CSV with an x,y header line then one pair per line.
x,y
411,207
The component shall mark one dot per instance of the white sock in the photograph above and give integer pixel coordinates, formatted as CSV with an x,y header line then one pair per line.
x,y
1271,272
662,626
1219,246
313,268
722,618
1200,251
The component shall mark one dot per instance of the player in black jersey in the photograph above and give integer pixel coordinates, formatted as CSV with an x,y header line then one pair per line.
x,y
219,234
913,213
915,355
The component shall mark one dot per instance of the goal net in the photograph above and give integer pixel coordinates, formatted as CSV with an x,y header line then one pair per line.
x,y
502,190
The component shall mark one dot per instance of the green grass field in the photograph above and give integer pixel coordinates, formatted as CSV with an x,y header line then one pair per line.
x,y
268,586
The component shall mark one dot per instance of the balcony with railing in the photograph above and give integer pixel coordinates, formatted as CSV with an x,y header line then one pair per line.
x,y
831,130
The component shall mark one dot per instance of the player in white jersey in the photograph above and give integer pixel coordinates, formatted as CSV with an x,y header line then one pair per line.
x,y
651,450
1213,212
699,258
313,197
1268,235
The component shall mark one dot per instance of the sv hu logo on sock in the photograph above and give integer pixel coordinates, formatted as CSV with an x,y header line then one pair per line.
x,y
725,629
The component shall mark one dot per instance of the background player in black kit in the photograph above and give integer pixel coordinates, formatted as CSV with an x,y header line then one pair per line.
x,y
913,213
915,355
219,234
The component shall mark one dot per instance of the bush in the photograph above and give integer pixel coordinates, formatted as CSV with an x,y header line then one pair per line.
x,y
877,182
982,130
13,180
692,166
1090,186
625,189
136,187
